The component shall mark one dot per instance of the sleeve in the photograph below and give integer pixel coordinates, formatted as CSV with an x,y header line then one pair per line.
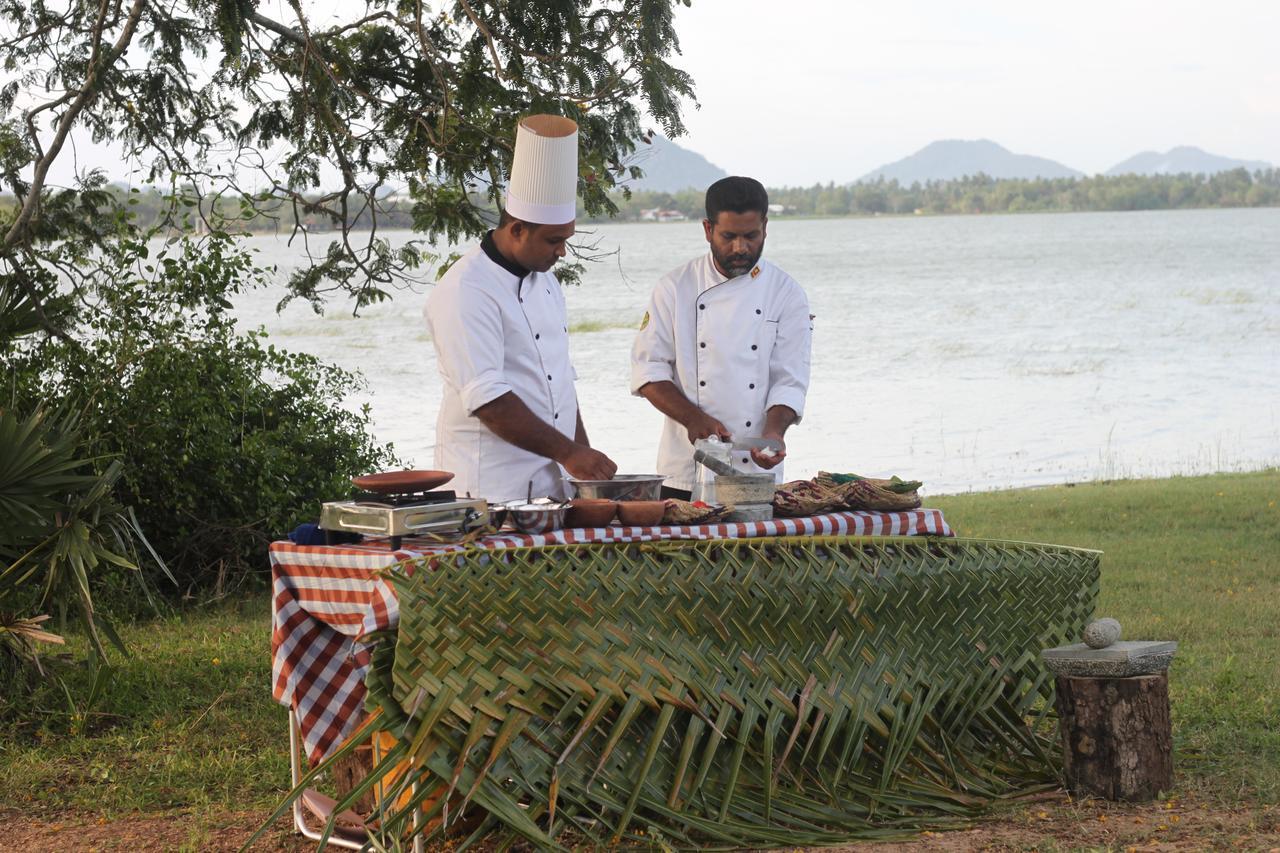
x,y
466,328
789,362
653,354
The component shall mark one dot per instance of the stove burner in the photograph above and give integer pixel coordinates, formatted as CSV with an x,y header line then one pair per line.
x,y
440,496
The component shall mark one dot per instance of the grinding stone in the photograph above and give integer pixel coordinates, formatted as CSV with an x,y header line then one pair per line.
x,y
1125,658
1101,633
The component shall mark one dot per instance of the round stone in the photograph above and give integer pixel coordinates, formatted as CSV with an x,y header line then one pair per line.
x,y
1101,633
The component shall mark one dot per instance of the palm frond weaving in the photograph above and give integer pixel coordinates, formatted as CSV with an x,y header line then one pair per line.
x,y
736,693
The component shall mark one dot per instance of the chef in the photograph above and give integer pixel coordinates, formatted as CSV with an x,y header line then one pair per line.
x,y
510,414
723,349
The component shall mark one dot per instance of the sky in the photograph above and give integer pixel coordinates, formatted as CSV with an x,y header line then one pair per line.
x,y
819,90
810,91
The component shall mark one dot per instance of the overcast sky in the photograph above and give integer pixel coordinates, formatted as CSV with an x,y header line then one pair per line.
x,y
802,91
816,90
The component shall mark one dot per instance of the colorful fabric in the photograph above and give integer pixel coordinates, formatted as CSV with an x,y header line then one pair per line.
x,y
325,599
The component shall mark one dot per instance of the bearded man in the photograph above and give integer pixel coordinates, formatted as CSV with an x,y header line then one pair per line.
x,y
724,347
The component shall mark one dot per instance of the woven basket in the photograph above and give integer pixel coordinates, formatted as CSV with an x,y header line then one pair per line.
x,y
742,693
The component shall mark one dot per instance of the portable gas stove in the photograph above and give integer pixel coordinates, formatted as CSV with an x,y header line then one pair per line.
x,y
439,513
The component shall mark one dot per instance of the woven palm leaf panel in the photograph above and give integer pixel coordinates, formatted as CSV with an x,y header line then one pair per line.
x,y
755,692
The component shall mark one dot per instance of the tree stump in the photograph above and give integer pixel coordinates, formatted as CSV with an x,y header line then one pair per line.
x,y
1116,735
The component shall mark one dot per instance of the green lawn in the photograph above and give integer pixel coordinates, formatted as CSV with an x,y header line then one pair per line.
x,y
189,720
1192,559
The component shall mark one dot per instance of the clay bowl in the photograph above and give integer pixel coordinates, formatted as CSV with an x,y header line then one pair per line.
x,y
402,482
590,512
641,513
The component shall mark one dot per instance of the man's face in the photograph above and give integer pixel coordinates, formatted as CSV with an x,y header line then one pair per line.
x,y
736,239
538,247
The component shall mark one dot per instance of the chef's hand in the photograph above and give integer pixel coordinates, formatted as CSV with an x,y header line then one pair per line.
x,y
585,463
764,458
702,425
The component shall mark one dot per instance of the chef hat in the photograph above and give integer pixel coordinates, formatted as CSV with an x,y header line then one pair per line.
x,y
544,173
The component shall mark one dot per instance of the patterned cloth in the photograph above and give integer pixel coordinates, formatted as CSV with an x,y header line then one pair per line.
x,y
326,598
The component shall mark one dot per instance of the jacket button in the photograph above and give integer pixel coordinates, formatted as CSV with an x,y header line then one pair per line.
x,y
752,385
757,310
703,344
702,307
745,460
703,382
748,423
753,346
537,337
548,377
556,416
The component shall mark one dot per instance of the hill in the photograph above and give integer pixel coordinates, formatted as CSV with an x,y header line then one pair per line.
x,y
1185,159
669,168
949,159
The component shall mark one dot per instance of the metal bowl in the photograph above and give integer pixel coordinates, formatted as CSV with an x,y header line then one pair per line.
x,y
623,487
540,518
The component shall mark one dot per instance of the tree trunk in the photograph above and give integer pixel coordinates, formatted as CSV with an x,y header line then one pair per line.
x,y
1116,736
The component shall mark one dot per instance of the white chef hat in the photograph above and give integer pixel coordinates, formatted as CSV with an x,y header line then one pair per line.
x,y
544,174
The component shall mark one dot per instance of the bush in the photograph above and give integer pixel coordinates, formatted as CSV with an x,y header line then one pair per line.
x,y
226,441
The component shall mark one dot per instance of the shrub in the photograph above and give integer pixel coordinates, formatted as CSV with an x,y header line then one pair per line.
x,y
225,441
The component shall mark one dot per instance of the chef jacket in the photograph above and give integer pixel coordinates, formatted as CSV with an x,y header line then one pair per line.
x,y
499,328
734,346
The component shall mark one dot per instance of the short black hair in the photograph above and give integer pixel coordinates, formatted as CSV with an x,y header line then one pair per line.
x,y
505,219
737,195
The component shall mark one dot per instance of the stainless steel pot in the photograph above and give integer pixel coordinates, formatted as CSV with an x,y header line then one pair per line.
x,y
623,487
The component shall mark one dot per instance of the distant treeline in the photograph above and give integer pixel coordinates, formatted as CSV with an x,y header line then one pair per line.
x,y
977,194
982,194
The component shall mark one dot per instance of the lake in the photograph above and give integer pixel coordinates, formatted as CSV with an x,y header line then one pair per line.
x,y
970,352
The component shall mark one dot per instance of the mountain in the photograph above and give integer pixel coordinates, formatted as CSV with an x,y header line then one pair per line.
x,y
949,159
669,168
1184,158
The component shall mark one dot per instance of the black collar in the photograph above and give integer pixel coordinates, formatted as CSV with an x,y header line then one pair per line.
x,y
491,249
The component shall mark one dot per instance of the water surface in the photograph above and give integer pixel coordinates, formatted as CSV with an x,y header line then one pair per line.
x,y
970,352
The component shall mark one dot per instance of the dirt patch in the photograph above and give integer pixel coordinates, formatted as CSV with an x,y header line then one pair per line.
x,y
1052,823
167,831
1056,823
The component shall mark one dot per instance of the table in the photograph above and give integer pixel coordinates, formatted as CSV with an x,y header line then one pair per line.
x,y
325,599
776,683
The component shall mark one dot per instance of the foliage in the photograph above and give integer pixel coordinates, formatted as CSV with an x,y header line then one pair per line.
x,y
749,693
981,194
235,104
59,526
221,442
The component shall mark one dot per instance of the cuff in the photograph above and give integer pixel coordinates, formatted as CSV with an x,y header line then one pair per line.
x,y
483,389
792,398
649,371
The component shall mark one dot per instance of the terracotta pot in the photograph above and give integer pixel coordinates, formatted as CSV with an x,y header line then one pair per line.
x,y
402,482
590,512
641,513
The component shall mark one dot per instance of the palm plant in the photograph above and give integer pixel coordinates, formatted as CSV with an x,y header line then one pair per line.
x,y
58,525
751,693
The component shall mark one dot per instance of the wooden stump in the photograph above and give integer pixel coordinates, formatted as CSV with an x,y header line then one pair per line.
x,y
1116,736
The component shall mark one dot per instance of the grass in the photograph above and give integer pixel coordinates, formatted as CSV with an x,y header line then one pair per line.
x,y
189,722
1192,559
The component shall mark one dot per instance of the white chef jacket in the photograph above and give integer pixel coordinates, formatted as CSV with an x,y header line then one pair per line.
x,y
735,347
496,332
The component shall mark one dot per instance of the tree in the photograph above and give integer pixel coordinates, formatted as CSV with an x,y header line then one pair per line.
x,y
223,100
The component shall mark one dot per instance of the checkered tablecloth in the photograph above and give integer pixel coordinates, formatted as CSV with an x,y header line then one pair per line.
x,y
326,598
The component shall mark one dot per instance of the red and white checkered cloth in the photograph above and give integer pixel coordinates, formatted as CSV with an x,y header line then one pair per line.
x,y
326,598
